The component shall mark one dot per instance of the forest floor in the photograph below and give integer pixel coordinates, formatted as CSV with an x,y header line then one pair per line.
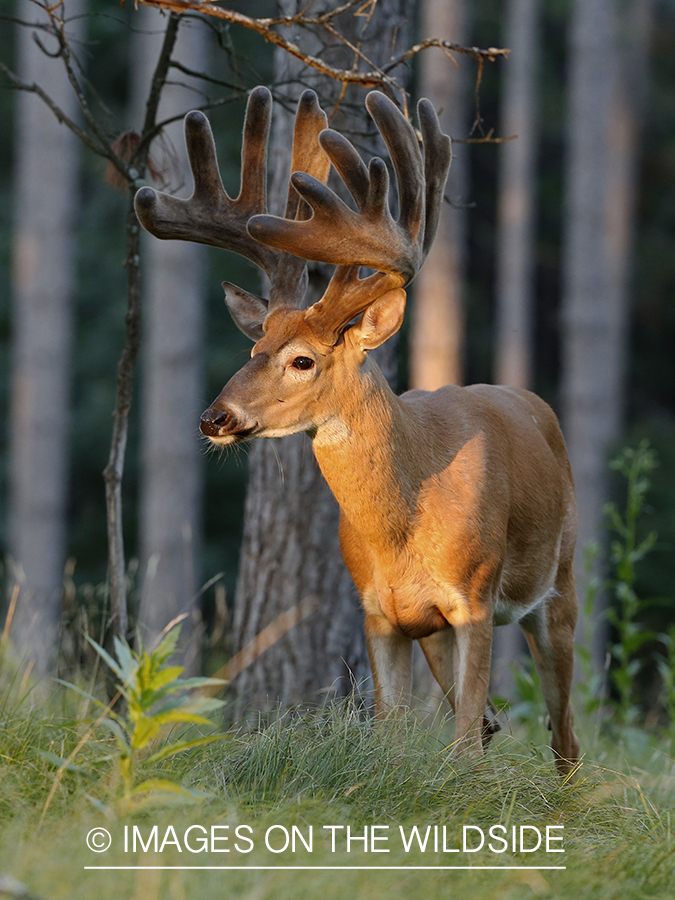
x,y
371,814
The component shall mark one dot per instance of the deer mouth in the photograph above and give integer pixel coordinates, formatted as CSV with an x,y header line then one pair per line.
x,y
227,426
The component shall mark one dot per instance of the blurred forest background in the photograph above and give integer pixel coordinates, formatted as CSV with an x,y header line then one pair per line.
x,y
555,269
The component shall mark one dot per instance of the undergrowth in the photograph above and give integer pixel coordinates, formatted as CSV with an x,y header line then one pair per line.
x,y
314,767
72,762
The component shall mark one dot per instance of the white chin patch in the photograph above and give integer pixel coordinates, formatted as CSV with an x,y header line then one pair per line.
x,y
223,441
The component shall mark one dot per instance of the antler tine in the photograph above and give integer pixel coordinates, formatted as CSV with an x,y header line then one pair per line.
x,y
335,233
210,216
289,285
404,152
308,155
437,159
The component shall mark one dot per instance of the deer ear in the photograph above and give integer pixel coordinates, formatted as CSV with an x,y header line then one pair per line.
x,y
247,310
380,321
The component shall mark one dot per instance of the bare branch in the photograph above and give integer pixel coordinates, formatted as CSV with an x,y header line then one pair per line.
x,y
102,149
114,470
479,55
160,73
265,27
208,78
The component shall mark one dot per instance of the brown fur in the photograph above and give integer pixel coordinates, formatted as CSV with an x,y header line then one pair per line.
x,y
457,509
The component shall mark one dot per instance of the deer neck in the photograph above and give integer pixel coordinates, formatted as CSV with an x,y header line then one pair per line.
x,y
363,453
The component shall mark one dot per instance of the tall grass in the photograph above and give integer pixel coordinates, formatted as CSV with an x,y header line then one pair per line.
x,y
330,767
62,773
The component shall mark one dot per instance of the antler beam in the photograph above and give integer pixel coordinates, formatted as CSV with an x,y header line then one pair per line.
x,y
211,217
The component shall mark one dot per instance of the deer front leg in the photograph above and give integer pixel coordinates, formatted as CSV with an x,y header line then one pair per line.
x,y
391,663
473,645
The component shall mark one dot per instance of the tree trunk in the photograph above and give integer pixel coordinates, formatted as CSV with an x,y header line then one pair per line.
x,y
172,387
437,333
437,324
516,250
47,162
604,115
516,202
290,556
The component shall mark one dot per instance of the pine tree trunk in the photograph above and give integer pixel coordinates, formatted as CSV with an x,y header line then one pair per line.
x,y
172,388
516,246
437,333
290,557
47,162
604,116
437,322
516,201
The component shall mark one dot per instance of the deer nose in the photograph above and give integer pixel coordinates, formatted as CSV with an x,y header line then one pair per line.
x,y
213,421
230,422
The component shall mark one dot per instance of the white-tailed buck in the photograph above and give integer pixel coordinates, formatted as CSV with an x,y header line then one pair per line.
x,y
457,506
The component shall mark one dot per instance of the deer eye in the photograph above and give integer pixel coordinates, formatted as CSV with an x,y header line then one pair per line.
x,y
302,362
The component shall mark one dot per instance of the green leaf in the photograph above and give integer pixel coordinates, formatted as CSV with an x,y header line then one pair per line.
x,y
165,676
78,690
179,746
189,704
179,715
125,658
99,805
62,763
119,734
164,785
145,730
167,645
135,802
107,658
191,683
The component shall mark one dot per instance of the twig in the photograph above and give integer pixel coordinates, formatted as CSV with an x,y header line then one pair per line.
x,y
490,54
21,85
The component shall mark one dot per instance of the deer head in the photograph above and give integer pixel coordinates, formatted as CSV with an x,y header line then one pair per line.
x,y
301,357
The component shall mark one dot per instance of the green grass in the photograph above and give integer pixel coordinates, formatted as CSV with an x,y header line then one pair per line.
x,y
331,768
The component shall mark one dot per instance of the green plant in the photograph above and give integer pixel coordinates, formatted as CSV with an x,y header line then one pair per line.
x,y
528,704
627,550
590,682
666,667
155,700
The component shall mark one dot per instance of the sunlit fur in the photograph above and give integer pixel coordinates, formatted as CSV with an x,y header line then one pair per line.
x,y
457,509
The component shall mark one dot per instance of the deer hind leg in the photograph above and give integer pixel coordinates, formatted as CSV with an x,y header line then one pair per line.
x,y
550,634
391,662
439,649
438,652
471,665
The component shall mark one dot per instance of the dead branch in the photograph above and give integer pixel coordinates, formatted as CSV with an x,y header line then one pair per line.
x,y
374,77
490,54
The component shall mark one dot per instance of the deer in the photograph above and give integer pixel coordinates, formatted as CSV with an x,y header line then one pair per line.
x,y
457,507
